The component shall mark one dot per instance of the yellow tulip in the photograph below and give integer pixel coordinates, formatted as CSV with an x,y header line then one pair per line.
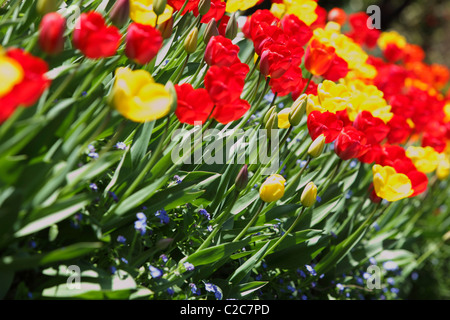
x,y
141,11
443,168
425,159
333,96
305,10
309,195
273,188
138,98
11,73
391,37
389,184
283,118
236,5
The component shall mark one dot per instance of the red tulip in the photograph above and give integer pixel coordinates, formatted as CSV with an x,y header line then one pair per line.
x,y
311,89
217,11
142,43
393,53
350,143
360,33
318,58
296,29
337,15
92,37
374,128
225,84
419,182
230,112
192,5
194,105
337,70
288,82
220,52
275,60
33,84
256,19
51,33
325,123
399,129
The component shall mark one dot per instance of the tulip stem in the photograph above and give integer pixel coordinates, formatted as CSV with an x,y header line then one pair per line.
x,y
307,83
276,244
149,164
220,221
179,72
250,223
331,179
274,99
253,69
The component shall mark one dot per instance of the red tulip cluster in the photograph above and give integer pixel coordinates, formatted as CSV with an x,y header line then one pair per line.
x,y
224,82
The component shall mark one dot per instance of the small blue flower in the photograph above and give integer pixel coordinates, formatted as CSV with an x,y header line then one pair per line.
x,y
141,216
414,276
209,228
210,287
304,297
32,244
340,287
155,272
112,269
194,289
301,273
114,196
366,275
164,258
353,163
189,266
124,260
391,281
258,277
311,270
204,213
390,266
93,155
93,187
170,291
163,216
177,179
91,148
140,226
269,97
359,280
318,199
395,290
121,146
376,226
291,288
121,239
372,261
349,194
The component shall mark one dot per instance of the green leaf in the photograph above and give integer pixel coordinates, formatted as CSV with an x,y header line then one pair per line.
x,y
73,251
248,265
45,217
141,142
216,253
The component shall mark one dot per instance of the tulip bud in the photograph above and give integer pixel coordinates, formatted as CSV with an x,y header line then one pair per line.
x,y
298,110
51,33
159,6
173,96
316,148
210,31
283,118
309,195
273,188
46,6
271,124
120,13
242,179
190,44
268,114
204,6
232,28
166,28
